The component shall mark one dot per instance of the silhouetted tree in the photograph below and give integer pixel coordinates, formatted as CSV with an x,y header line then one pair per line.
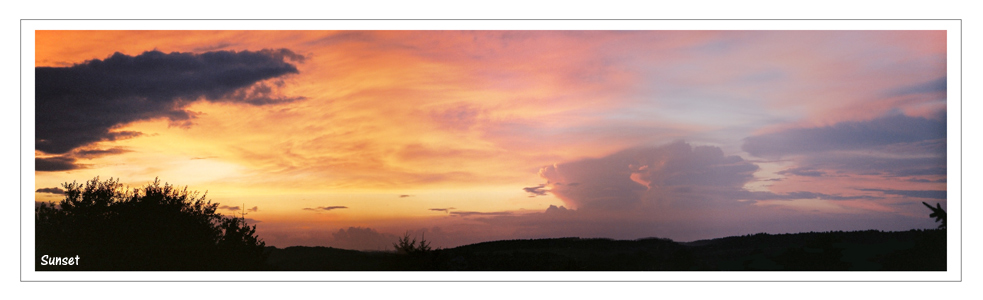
x,y
413,256
406,246
938,213
158,227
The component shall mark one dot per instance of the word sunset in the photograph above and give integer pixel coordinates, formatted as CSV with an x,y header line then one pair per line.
x,y
59,261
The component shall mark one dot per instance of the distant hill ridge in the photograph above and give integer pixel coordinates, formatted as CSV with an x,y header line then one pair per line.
x,y
869,250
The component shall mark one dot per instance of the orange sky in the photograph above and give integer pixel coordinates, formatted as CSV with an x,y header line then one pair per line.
x,y
633,133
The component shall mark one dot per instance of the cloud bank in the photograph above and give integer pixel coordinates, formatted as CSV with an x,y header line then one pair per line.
x,y
890,146
358,238
649,176
83,104
880,132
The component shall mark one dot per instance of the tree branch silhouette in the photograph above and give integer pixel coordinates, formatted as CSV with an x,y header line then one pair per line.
x,y
938,213
406,246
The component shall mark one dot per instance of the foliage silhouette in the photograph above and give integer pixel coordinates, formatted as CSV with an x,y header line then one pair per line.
x,y
411,256
158,227
406,246
938,213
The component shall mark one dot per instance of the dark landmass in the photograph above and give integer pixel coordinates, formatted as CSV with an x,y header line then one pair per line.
x,y
914,250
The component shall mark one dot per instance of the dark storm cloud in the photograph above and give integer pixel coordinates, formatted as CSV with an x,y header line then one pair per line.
x,y
897,129
539,190
53,190
81,104
324,208
931,194
58,163
68,161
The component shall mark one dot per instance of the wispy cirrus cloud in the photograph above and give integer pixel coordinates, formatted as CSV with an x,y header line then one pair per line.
x,y
238,208
480,213
324,208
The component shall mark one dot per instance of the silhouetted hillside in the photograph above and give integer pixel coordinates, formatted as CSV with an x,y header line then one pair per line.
x,y
568,254
921,250
300,258
915,250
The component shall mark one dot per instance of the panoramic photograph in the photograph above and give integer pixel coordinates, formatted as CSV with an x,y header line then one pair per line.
x,y
490,150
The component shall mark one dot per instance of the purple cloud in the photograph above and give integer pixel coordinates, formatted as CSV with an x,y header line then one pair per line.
x,y
885,131
810,172
539,190
638,176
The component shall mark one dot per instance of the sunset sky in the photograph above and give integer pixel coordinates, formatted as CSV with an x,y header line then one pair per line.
x,y
352,138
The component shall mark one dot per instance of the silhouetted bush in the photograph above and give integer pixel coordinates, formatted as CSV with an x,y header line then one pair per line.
x,y
158,227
